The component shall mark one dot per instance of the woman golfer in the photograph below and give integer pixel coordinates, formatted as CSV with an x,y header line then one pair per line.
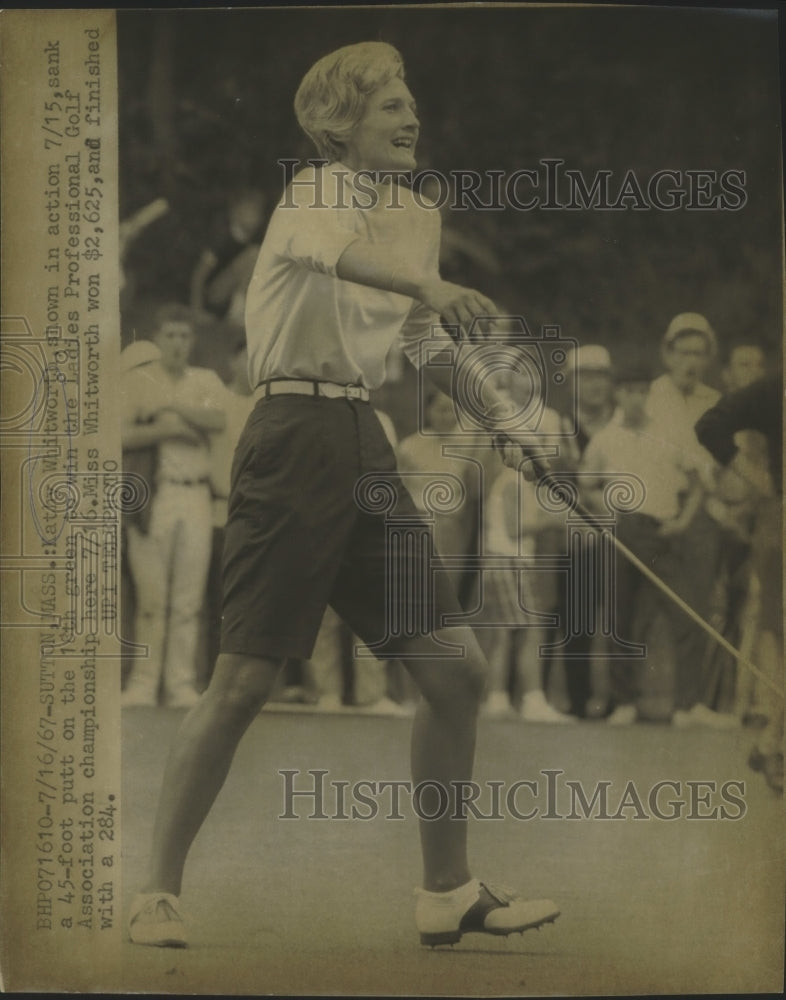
x,y
349,263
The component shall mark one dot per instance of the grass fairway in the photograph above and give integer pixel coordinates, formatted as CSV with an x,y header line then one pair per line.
x,y
326,906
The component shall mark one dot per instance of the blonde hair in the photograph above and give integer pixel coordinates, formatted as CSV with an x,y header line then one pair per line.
x,y
332,96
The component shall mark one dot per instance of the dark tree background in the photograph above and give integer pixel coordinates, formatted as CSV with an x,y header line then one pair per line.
x,y
206,107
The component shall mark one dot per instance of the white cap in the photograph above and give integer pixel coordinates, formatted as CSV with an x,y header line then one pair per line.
x,y
693,322
141,352
589,357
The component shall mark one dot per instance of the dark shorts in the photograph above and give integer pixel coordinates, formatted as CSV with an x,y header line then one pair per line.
x,y
302,534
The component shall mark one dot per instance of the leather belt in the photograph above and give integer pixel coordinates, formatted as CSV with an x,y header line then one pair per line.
x,y
307,387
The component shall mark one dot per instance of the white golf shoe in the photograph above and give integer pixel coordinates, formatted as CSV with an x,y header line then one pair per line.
x,y
443,917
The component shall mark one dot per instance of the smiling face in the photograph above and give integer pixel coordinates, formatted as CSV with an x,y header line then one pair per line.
x,y
386,135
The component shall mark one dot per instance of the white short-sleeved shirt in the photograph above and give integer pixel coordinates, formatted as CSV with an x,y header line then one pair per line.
x,y
304,322
661,466
149,388
673,416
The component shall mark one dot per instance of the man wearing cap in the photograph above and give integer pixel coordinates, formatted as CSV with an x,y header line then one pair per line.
x,y
589,369
679,397
676,401
671,497
590,365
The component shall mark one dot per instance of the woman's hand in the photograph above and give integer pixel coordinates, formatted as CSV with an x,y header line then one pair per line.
x,y
458,306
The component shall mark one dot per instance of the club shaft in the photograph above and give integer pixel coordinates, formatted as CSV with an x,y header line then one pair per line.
x,y
666,589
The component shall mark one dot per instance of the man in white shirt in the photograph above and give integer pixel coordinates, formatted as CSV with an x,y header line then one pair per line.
x,y
671,496
589,372
676,401
334,285
679,397
175,407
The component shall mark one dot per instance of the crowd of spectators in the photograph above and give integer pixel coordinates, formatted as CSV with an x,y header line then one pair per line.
x,y
630,653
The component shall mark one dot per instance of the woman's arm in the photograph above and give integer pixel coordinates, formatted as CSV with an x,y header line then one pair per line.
x,y
367,263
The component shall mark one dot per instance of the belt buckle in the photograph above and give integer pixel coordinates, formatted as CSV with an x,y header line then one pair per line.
x,y
354,391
